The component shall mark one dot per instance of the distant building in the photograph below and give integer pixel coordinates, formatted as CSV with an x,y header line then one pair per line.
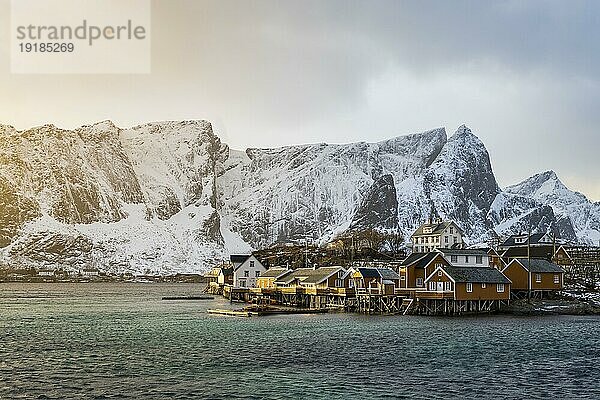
x,y
466,257
246,269
90,272
267,279
46,272
225,275
317,278
437,234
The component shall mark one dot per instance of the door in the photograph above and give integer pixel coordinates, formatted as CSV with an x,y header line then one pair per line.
x,y
440,286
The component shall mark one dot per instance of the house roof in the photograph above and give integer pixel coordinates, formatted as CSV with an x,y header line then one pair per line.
x,y
436,228
309,275
413,257
424,261
388,274
383,273
239,258
227,271
534,238
543,252
466,252
537,265
368,272
274,272
476,275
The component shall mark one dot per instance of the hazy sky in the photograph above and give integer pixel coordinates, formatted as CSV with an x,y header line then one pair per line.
x,y
524,75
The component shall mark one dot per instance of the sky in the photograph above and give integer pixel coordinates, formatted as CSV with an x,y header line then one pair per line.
x,y
523,75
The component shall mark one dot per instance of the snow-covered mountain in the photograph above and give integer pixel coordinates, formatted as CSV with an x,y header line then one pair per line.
x,y
571,208
170,197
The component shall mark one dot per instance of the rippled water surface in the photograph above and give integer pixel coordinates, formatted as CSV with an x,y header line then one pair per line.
x,y
120,341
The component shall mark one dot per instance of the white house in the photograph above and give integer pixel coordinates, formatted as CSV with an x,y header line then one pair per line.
x,y
246,268
436,234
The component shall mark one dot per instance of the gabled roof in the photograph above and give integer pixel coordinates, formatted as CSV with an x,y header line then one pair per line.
x,y
424,261
239,258
543,252
436,228
413,257
275,272
539,266
534,238
388,274
368,272
227,271
309,275
460,252
383,273
476,275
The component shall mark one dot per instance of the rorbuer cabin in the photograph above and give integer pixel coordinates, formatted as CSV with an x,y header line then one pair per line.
x,y
318,278
416,267
375,280
267,279
535,275
470,283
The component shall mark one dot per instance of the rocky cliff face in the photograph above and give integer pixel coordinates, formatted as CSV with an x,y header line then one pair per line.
x,y
170,197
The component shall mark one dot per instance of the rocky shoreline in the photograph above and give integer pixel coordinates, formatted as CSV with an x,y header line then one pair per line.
x,y
557,306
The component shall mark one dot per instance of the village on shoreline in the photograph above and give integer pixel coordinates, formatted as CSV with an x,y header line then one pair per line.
x,y
524,274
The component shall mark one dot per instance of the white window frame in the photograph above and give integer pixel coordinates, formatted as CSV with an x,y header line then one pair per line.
x,y
557,279
469,287
448,286
419,282
483,286
500,287
246,274
432,286
538,278
454,258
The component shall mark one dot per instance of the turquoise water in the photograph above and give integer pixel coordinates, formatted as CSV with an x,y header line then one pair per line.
x,y
120,341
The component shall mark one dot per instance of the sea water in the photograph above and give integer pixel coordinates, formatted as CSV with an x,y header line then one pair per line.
x,y
121,341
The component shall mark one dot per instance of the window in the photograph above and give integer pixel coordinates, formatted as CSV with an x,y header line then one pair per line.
x,y
251,264
340,274
243,283
246,274
419,282
257,273
453,259
469,287
538,278
500,288
438,265
451,230
402,278
556,278
431,285
439,273
483,285
339,283
455,239
445,239
466,259
478,259
447,286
